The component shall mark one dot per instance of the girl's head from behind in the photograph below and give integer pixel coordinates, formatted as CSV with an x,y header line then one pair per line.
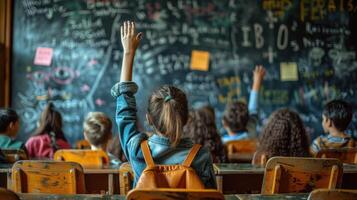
x,y
201,128
97,129
168,112
51,123
9,122
284,135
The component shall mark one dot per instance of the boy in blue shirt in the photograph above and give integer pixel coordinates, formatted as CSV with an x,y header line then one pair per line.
x,y
336,117
237,115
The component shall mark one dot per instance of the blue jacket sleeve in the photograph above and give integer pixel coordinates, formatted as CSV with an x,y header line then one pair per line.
x,y
126,118
253,102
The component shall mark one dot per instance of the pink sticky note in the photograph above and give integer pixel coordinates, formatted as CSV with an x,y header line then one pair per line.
x,y
43,56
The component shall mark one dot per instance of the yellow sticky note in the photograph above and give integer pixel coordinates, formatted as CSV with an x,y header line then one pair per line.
x,y
200,60
288,71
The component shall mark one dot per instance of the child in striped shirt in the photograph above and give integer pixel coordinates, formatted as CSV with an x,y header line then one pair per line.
x,y
336,116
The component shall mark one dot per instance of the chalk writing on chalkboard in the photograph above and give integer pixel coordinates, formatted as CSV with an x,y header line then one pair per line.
x,y
82,55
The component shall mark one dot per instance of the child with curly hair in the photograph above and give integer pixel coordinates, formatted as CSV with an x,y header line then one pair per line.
x,y
283,135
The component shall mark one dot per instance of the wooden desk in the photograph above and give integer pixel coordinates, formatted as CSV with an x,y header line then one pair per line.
x,y
243,178
121,197
30,196
98,181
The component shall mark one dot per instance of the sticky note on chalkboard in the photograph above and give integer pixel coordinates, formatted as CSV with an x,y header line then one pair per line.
x,y
43,56
288,71
200,60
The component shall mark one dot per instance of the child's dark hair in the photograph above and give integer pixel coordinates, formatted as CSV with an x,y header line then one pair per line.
x,y
168,112
284,135
201,128
7,115
236,116
339,112
51,124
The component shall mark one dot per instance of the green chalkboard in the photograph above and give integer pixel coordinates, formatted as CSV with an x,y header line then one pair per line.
x,y
69,52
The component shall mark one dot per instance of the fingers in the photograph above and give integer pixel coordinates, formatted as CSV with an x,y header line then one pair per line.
x,y
132,28
139,36
122,31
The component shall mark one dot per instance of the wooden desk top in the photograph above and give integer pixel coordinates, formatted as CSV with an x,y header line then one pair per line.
x,y
6,168
271,197
121,197
237,168
246,168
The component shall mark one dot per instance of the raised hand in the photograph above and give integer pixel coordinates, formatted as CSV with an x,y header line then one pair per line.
x,y
129,39
258,76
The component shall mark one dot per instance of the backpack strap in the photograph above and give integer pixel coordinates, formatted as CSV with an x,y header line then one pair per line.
x,y
146,153
191,155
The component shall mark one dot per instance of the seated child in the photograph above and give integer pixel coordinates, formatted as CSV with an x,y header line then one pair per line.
x,y
49,136
236,115
9,126
283,135
167,113
201,127
336,116
98,131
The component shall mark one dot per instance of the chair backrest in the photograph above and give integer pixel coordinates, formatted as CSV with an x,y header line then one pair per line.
x,y
86,157
13,155
126,178
338,194
173,194
39,176
259,159
346,155
8,194
301,175
82,144
241,150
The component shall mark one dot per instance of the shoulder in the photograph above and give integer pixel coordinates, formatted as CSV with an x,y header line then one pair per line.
x,y
37,139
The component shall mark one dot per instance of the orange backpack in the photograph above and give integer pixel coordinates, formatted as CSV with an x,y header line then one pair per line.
x,y
169,176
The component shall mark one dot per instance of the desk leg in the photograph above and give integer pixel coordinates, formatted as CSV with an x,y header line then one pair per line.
x,y
9,186
219,181
110,184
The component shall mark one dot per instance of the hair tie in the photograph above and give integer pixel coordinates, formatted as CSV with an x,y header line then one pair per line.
x,y
168,98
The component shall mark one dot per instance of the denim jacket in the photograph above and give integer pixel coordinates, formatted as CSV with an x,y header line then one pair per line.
x,y
161,151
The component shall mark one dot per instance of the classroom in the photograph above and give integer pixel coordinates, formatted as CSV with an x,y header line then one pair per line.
x,y
178,99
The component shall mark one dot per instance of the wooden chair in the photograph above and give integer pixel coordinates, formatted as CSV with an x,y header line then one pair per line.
x,y
323,194
13,155
346,155
39,176
8,194
86,157
301,175
259,159
126,178
241,150
173,194
82,144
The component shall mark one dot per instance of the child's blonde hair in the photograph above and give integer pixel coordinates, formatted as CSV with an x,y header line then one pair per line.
x,y
168,112
97,127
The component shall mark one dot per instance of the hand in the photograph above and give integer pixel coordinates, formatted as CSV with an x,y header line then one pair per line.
x,y
129,39
258,76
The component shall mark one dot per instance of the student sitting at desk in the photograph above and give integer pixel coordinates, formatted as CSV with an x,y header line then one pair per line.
x,y
201,127
283,135
237,115
9,126
167,114
98,131
336,116
49,135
